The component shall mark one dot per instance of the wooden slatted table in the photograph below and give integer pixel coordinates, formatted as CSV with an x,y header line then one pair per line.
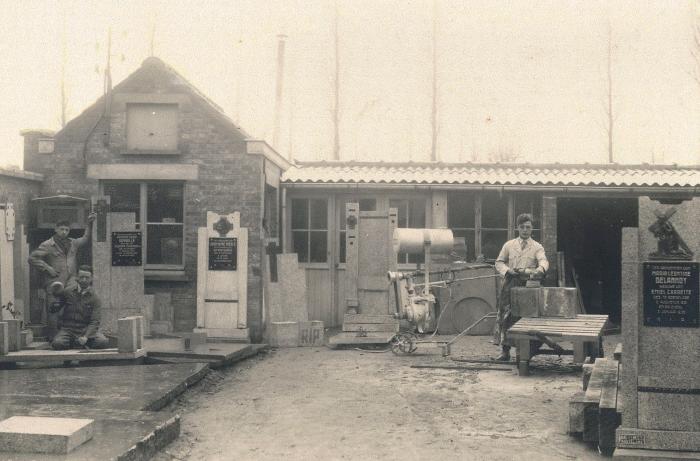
x,y
584,331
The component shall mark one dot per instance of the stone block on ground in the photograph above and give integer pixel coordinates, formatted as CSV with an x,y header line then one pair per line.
x,y
38,434
161,327
27,337
287,299
14,334
311,333
128,330
3,339
283,334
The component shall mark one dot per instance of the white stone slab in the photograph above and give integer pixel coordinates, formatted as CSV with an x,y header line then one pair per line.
x,y
38,434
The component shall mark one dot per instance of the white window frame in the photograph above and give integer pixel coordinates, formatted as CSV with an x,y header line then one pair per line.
x,y
142,225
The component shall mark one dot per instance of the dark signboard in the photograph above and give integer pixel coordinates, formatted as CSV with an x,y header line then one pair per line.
x,y
126,248
671,294
223,253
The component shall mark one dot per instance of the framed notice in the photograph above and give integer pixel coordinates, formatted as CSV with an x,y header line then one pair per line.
x,y
126,248
671,294
223,253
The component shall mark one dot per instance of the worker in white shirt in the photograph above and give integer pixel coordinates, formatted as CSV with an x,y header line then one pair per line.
x,y
520,259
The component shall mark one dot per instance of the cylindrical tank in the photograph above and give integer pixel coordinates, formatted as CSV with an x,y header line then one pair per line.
x,y
412,241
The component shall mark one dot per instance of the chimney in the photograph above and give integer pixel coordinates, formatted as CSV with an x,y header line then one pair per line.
x,y
279,91
38,149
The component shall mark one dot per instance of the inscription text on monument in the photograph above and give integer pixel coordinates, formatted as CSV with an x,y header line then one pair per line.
x,y
671,294
223,253
126,248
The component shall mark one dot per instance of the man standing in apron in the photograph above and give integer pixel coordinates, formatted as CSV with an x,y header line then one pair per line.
x,y
519,260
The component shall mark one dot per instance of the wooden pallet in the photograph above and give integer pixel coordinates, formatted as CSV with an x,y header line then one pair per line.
x,y
594,413
584,331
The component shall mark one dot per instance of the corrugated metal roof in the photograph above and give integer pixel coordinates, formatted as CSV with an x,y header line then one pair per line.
x,y
497,174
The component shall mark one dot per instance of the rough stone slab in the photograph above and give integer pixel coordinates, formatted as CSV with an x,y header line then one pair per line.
x,y
41,434
525,302
631,454
283,334
286,299
225,334
311,333
626,437
120,387
80,355
118,434
349,338
559,302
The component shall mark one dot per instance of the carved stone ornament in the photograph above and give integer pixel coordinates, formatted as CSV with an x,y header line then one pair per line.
x,y
223,226
351,221
670,245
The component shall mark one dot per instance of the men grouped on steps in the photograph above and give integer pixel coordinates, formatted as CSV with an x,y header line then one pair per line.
x,y
72,304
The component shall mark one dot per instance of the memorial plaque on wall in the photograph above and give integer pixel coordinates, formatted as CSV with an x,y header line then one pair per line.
x,y
223,253
671,294
126,248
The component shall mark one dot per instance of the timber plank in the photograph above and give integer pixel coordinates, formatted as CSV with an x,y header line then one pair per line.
x,y
576,413
608,417
592,401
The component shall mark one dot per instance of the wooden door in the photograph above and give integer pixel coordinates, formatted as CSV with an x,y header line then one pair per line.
x,y
369,257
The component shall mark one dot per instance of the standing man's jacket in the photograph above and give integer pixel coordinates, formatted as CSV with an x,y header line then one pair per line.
x,y
50,254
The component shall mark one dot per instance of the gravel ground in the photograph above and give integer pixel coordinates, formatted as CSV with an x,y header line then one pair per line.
x,y
318,403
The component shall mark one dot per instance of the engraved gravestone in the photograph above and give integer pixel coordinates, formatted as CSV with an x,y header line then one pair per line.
x,y
222,277
660,379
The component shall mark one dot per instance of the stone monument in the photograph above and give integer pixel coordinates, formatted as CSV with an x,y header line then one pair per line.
x,y
118,268
660,383
222,277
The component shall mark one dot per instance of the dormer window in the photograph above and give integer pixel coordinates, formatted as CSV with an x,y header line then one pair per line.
x,y
152,127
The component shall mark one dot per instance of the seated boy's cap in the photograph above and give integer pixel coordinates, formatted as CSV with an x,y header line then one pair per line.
x,y
56,286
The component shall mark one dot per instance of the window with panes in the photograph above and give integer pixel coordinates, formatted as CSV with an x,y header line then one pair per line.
x,y
159,214
310,229
490,216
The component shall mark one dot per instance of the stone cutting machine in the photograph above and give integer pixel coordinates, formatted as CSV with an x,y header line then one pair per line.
x,y
415,302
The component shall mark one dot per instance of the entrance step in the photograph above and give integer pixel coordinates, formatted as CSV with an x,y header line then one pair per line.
x,y
356,327
367,318
352,338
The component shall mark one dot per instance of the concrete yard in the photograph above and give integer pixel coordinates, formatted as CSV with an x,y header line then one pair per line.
x,y
318,403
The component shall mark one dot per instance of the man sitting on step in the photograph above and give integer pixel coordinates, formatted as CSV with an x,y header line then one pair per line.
x,y
79,322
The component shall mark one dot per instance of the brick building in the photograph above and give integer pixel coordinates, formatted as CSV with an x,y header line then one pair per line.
x,y
162,150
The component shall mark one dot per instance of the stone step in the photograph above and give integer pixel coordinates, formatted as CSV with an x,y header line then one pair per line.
x,y
39,345
41,434
366,318
394,327
350,338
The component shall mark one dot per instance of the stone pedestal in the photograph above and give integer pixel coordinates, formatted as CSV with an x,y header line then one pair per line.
x,y
118,270
660,387
7,280
39,434
222,277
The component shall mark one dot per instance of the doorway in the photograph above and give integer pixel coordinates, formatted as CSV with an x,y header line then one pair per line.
x,y
589,232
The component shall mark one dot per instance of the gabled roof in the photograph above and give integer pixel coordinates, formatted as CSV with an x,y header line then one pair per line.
x,y
494,174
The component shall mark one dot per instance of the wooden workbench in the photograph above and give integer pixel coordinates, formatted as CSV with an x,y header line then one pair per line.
x,y
584,331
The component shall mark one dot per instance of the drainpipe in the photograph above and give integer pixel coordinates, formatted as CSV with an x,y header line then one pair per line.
x,y
283,226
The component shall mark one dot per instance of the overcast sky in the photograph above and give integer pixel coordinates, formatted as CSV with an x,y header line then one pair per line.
x,y
527,77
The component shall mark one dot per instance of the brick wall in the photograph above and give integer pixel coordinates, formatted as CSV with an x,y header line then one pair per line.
x,y
229,179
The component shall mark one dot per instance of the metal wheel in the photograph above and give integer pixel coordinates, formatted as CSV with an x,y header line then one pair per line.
x,y
403,343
